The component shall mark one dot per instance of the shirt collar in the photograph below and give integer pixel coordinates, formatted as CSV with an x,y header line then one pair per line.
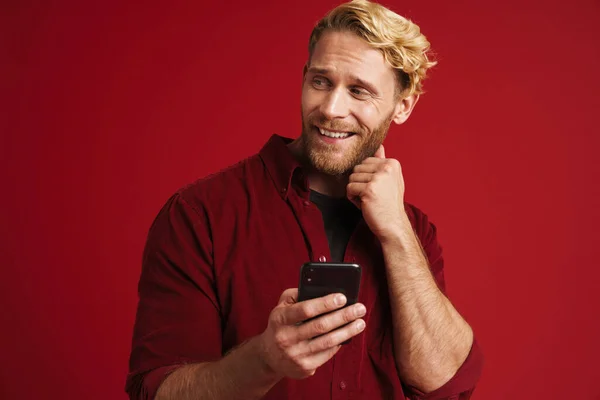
x,y
281,164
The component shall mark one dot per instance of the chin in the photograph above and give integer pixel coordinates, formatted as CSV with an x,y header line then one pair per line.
x,y
326,166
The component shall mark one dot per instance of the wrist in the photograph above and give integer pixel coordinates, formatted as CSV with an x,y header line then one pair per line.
x,y
398,234
261,355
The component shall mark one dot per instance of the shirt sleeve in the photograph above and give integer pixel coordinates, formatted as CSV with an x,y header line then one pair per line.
x,y
461,386
463,383
178,314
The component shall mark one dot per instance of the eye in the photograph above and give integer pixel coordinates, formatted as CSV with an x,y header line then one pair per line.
x,y
359,92
319,82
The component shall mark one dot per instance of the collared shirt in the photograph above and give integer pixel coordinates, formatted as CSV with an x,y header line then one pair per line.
x,y
221,252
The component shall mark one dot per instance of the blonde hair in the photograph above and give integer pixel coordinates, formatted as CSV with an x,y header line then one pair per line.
x,y
400,40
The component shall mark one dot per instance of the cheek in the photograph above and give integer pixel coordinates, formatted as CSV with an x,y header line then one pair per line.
x,y
311,100
367,116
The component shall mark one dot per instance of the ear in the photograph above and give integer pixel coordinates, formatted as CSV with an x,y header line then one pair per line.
x,y
404,107
304,71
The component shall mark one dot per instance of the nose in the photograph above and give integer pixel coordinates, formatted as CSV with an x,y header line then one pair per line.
x,y
335,105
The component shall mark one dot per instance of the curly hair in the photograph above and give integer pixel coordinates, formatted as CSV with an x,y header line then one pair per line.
x,y
400,40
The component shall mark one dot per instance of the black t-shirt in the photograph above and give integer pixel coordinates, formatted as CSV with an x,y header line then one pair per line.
x,y
340,217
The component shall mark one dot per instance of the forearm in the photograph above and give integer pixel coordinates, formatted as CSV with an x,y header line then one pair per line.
x,y
431,339
241,374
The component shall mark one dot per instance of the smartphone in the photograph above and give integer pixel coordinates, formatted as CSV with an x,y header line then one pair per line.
x,y
321,279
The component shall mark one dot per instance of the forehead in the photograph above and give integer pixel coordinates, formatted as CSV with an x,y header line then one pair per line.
x,y
346,53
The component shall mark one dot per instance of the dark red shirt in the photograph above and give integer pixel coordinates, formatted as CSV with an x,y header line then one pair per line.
x,y
220,253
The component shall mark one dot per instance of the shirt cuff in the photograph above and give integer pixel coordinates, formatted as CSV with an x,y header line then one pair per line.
x,y
461,385
145,385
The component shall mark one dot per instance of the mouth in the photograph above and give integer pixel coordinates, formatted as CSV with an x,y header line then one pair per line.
x,y
333,134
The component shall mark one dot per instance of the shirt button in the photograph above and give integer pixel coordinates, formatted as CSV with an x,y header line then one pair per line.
x,y
342,385
283,190
306,203
322,259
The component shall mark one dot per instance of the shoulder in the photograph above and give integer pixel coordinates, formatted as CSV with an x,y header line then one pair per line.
x,y
225,186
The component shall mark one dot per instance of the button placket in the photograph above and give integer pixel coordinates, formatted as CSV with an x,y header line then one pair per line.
x,y
311,224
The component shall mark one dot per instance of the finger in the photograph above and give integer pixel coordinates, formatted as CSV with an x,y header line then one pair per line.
x,y
355,189
374,160
336,337
289,297
330,322
315,360
356,201
311,308
380,153
361,177
368,168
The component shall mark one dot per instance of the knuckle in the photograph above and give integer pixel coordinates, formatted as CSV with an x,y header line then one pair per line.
x,y
328,341
329,302
321,326
305,311
288,296
370,190
313,346
281,339
349,315
278,317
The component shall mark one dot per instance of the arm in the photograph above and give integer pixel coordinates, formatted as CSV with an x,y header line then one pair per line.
x,y
285,349
177,347
242,374
434,349
431,339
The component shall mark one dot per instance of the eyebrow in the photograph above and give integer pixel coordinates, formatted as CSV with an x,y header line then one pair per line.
x,y
359,81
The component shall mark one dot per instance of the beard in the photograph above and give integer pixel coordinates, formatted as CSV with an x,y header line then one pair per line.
x,y
324,156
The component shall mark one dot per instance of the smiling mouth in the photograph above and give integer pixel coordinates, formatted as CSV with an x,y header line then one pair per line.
x,y
334,134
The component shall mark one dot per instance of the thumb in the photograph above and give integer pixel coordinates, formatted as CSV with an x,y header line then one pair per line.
x,y
289,297
380,153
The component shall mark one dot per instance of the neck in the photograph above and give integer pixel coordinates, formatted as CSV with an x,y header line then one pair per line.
x,y
329,185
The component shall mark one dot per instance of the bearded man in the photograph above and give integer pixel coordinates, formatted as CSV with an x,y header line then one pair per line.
x,y
218,316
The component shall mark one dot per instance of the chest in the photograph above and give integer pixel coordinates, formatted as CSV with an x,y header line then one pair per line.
x,y
259,256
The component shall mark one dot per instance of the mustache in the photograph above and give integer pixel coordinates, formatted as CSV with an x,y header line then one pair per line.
x,y
334,125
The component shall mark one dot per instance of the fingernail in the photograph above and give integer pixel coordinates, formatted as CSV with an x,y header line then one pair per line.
x,y
360,310
340,300
360,325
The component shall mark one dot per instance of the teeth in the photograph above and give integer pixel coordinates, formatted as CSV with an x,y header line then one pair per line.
x,y
337,135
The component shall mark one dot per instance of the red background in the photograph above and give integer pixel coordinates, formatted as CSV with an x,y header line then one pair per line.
x,y
109,108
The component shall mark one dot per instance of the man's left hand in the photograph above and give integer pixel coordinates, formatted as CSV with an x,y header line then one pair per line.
x,y
376,186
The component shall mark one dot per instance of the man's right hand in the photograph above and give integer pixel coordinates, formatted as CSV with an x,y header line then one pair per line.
x,y
295,349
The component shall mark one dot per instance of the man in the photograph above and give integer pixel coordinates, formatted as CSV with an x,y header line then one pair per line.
x,y
218,316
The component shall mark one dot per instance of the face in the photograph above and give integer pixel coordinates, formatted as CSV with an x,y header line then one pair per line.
x,y
348,103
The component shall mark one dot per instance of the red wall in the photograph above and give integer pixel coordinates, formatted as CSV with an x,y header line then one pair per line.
x,y
110,108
